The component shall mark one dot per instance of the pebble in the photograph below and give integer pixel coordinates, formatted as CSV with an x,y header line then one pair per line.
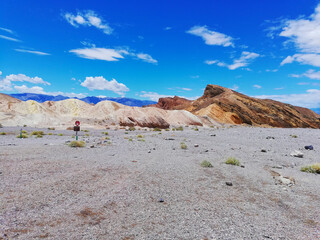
x,y
297,153
169,139
196,145
229,183
278,167
263,150
269,137
92,146
212,135
161,200
242,166
149,151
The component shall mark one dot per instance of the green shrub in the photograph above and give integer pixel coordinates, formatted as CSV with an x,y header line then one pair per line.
x,y
206,163
179,128
24,131
173,129
183,145
126,133
106,133
141,140
37,133
51,128
233,161
87,135
86,130
39,136
293,136
107,138
22,136
60,134
157,129
315,168
132,128
130,139
140,136
3,133
77,144
50,133
167,129
196,129
24,125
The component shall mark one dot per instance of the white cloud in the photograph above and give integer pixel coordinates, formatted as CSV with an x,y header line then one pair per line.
x,y
196,76
271,70
310,99
279,88
211,37
99,53
244,60
312,74
146,58
100,83
109,54
307,59
9,38
6,30
257,86
24,78
167,28
234,87
88,18
33,52
186,89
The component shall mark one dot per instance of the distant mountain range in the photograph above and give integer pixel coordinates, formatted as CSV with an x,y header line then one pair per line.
x,y
42,98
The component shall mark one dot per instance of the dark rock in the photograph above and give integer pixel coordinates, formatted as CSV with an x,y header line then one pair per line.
x,y
196,145
161,200
308,147
229,183
263,150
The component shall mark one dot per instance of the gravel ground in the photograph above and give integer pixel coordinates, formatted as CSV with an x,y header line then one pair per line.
x,y
153,189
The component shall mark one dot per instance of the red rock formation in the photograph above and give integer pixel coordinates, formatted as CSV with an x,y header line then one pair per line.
x,y
228,106
169,103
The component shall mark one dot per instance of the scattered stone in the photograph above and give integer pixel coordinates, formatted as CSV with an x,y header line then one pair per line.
x,y
154,148
206,150
242,166
169,139
278,167
149,151
67,141
229,183
196,145
92,146
212,135
161,200
308,147
263,150
296,153
173,148
269,137
289,181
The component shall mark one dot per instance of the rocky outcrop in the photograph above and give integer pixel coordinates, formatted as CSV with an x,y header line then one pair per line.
x,y
228,106
63,114
169,103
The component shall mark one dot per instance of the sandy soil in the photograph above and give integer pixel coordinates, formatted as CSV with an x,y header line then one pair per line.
x,y
153,189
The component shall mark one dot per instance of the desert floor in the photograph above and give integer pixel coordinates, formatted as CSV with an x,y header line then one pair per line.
x,y
119,188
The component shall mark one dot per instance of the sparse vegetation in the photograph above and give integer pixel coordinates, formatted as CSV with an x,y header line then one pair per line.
x,y
24,131
22,136
130,139
141,140
39,136
183,145
173,129
206,163
157,129
36,133
3,133
77,144
179,128
51,128
50,133
87,135
126,133
140,136
24,125
132,128
107,138
315,168
196,129
60,134
106,133
86,130
293,136
233,161
109,142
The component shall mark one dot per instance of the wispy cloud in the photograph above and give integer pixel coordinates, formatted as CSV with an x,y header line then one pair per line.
x,y
303,58
7,30
9,38
211,37
33,52
146,58
109,54
257,86
100,83
6,83
312,74
245,59
88,18
309,99
167,28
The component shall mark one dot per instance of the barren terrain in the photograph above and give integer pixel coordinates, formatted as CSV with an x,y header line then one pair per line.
x,y
150,188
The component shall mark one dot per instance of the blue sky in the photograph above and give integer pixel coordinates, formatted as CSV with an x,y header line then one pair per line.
x,y
152,49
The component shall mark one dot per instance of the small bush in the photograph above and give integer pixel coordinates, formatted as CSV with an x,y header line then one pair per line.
x,y
22,136
24,131
109,142
157,129
141,140
132,128
196,129
77,144
183,145
24,125
37,133
39,136
106,133
51,128
140,136
167,129
87,135
206,163
179,128
107,138
126,133
3,133
86,130
293,136
60,134
233,161
50,133
130,139
315,168
173,129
